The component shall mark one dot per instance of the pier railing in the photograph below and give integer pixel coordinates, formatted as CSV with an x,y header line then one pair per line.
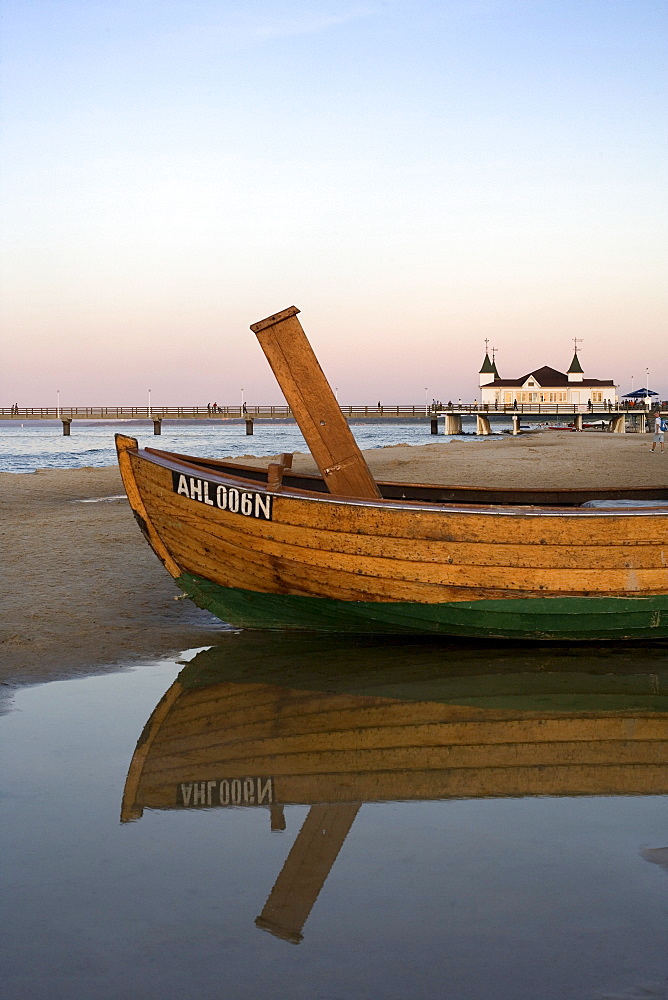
x,y
278,412
194,412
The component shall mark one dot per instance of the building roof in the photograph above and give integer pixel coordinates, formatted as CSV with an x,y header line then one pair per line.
x,y
576,368
487,367
547,378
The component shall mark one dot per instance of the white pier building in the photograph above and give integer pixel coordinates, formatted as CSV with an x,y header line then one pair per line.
x,y
546,385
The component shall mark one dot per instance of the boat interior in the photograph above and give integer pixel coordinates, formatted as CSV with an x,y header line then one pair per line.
x,y
639,496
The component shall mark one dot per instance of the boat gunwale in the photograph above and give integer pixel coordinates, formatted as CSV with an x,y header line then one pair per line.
x,y
174,462
579,493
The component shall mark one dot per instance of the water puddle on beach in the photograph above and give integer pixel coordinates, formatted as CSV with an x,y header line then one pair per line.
x,y
322,818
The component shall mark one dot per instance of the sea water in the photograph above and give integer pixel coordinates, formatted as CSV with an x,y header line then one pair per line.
x,y
40,444
465,899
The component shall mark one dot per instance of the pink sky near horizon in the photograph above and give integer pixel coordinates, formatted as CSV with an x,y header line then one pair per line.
x,y
415,177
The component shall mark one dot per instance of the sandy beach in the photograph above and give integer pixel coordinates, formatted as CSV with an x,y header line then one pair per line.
x,y
83,591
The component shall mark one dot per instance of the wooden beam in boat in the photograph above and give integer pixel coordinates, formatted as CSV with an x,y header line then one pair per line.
x,y
314,405
275,471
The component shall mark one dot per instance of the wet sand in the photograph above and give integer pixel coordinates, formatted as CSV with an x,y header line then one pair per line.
x,y
83,591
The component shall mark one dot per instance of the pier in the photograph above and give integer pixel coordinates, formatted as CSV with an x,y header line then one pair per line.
x,y
196,412
619,420
66,414
571,416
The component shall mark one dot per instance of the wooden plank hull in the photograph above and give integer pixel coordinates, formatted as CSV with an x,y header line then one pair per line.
x,y
310,732
290,558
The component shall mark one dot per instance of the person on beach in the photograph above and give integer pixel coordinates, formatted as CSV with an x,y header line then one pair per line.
x,y
659,428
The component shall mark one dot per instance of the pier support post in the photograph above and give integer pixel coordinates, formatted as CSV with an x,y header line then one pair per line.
x,y
578,421
67,423
516,423
618,424
482,424
249,425
453,423
157,425
434,425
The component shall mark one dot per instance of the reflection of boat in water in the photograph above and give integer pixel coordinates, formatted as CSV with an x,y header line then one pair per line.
x,y
269,722
256,721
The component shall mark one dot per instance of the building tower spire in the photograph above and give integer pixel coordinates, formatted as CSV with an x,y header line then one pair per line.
x,y
488,371
575,372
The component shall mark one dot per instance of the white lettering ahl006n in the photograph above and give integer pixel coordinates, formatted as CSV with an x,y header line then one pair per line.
x,y
245,502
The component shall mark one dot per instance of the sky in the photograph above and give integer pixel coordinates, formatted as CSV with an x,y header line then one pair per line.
x,y
414,175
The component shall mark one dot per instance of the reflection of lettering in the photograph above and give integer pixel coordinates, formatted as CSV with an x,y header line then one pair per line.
x,y
245,502
265,794
226,792
199,793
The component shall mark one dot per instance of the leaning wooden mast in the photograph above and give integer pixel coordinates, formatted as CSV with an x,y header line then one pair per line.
x,y
314,405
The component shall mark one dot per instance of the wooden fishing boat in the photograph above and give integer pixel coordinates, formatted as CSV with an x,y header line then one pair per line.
x,y
269,549
263,723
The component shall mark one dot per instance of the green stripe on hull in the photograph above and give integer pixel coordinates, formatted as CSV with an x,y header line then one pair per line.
x,y
584,618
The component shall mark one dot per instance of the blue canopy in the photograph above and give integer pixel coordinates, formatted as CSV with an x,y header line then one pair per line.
x,y
640,394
